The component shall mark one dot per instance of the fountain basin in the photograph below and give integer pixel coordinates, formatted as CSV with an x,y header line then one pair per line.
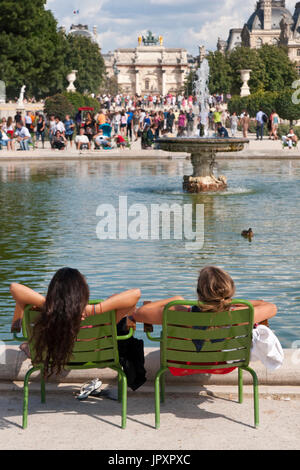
x,y
198,144
203,157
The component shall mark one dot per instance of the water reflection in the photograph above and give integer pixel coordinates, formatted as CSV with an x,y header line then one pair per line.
x,y
48,220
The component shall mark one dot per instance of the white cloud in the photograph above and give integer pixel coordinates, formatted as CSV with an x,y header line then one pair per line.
x,y
183,23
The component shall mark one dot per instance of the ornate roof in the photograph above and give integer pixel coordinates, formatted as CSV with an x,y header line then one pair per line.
x,y
256,20
81,30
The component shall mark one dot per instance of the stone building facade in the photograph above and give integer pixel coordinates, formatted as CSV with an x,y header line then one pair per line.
x,y
149,68
271,23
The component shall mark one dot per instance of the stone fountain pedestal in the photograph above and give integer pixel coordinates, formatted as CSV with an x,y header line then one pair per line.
x,y
203,157
203,178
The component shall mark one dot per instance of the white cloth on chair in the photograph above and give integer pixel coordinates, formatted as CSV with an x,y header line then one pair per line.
x,y
266,348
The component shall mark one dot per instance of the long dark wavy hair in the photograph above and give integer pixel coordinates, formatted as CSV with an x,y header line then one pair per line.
x,y
55,332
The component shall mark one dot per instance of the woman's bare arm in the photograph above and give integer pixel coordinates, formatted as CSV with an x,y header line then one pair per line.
x,y
152,312
124,304
262,310
23,296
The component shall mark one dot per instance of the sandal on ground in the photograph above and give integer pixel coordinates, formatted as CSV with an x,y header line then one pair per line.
x,y
110,393
88,388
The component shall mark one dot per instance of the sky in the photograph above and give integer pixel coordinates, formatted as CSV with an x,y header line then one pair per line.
x,y
182,23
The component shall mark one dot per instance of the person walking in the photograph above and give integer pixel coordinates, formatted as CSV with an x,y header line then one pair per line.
x,y
69,126
40,130
275,124
245,120
261,120
123,124
181,123
10,130
129,124
190,122
234,120
170,121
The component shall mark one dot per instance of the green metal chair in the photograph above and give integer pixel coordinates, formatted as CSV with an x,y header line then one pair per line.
x,y
96,347
225,341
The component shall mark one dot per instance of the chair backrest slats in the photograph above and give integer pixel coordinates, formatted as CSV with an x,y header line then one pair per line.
x,y
96,340
92,345
202,357
95,332
215,345
93,356
204,366
206,340
216,333
233,317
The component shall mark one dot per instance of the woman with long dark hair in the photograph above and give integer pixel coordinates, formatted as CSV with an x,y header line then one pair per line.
x,y
65,305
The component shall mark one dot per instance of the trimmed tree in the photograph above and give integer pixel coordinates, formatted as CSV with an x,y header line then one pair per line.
x,y
280,71
32,51
220,80
58,105
85,56
287,105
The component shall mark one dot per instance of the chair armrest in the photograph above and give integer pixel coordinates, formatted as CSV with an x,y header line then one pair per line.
x,y
148,328
122,338
20,339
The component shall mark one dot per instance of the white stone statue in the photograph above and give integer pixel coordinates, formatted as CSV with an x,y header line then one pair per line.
x,y
71,79
2,92
21,97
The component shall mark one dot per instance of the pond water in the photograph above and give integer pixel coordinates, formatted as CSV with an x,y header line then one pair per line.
x,y
48,221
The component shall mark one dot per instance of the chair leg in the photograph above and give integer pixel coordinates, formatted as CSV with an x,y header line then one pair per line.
x,y
119,387
157,396
255,395
43,387
241,397
162,388
123,381
26,394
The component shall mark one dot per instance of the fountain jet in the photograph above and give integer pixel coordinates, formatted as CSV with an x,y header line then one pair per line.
x,y
203,150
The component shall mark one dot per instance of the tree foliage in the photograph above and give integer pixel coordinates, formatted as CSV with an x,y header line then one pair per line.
x,y
84,56
220,73
58,105
287,105
79,101
266,101
31,51
35,54
271,69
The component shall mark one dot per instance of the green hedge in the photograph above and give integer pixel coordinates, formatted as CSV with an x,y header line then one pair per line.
x,y
253,103
68,103
80,101
58,105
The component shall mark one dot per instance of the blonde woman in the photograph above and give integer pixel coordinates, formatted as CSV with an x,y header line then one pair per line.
x,y
216,289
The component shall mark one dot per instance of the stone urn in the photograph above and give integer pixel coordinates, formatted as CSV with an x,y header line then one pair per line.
x,y
71,79
245,76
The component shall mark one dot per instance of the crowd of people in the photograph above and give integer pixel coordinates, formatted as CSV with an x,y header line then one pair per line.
x,y
124,119
156,101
